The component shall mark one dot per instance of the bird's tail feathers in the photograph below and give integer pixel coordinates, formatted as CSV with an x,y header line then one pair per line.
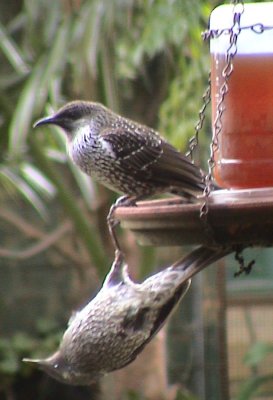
x,y
200,258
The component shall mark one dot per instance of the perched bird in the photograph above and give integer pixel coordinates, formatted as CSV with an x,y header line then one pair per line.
x,y
111,330
129,158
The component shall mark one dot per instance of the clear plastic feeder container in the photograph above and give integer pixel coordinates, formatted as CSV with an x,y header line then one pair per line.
x,y
244,158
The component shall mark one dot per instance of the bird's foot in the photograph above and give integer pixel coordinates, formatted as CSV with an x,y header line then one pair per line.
x,y
115,275
119,257
112,222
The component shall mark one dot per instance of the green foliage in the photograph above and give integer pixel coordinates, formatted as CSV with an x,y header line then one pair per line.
x,y
23,180
179,112
52,52
155,27
258,353
43,342
180,395
253,387
132,395
253,358
184,395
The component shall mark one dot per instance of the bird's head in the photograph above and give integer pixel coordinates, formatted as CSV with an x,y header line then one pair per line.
x,y
74,115
58,368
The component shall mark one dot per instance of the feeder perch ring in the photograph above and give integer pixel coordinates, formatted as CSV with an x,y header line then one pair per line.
x,y
237,217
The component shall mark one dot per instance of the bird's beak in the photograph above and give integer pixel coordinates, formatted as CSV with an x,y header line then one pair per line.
x,y
45,364
33,361
44,121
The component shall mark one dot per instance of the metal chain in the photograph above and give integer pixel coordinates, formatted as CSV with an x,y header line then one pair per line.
x,y
194,141
243,268
216,33
209,34
234,31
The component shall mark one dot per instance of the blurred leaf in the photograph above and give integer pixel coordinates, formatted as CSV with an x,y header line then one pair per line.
x,y
8,358
37,180
258,353
12,177
67,199
12,52
22,343
23,114
56,59
46,326
35,91
92,14
9,366
85,185
8,80
252,387
184,395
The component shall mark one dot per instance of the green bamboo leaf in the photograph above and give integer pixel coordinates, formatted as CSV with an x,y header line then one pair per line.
x,y
109,82
87,232
93,14
56,59
36,179
54,13
14,179
12,52
258,353
23,114
252,386
56,155
10,365
9,79
85,185
35,92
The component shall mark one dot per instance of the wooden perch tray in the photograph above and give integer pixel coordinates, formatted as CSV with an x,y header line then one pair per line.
x,y
235,217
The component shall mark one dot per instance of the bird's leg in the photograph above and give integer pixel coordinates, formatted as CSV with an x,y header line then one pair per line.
x,y
112,222
115,275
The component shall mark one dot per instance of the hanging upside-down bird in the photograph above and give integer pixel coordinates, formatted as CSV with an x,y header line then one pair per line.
x,y
111,330
130,158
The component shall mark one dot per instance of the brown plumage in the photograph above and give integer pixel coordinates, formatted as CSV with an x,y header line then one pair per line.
x,y
124,155
111,330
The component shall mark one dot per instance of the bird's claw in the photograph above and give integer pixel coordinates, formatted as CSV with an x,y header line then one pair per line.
x,y
112,222
119,257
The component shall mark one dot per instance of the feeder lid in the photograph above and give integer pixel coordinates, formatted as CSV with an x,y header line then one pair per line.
x,y
256,15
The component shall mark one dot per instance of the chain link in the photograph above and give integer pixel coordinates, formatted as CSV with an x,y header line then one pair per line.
x,y
234,31
216,33
194,141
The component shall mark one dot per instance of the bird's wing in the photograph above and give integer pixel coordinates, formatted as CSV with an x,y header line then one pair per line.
x,y
138,321
134,149
149,157
169,306
175,169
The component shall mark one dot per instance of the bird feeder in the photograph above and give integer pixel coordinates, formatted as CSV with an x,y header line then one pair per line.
x,y
242,95
241,158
